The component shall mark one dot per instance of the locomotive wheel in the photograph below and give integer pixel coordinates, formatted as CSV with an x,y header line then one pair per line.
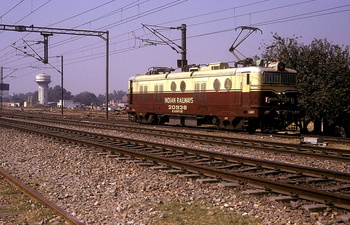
x,y
215,121
133,117
225,123
140,119
251,130
154,119
222,125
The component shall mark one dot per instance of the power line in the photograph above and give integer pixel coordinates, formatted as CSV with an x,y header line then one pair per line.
x,y
131,18
11,9
94,8
220,11
33,11
42,5
303,16
65,41
281,20
119,10
311,14
82,13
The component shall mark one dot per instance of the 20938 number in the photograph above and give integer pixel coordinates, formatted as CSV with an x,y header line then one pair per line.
x,y
177,108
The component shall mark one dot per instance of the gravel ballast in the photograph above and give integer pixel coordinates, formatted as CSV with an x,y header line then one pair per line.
x,y
101,190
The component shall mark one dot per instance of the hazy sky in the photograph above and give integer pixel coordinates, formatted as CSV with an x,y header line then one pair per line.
x,y
210,32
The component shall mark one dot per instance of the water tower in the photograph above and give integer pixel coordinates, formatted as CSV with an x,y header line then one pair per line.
x,y
43,81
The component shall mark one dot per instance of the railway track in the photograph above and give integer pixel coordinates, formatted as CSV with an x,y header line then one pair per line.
x,y
327,187
286,148
121,121
37,197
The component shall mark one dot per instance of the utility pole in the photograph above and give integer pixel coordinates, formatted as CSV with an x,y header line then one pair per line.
x,y
1,85
62,84
46,46
183,63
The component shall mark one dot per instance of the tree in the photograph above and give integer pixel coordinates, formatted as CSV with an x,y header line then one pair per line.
x,y
18,98
117,95
323,77
21,98
55,94
86,98
101,99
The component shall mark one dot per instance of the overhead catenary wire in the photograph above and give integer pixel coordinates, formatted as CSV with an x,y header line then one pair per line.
x,y
79,14
167,5
129,19
226,18
8,11
82,13
281,20
125,20
204,14
33,11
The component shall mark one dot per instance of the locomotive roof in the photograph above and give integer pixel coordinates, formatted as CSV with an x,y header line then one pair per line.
x,y
214,69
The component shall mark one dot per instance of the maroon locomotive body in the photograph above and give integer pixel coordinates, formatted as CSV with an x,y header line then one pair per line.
x,y
249,98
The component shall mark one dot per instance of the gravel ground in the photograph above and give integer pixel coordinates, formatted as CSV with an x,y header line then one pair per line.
x,y
101,190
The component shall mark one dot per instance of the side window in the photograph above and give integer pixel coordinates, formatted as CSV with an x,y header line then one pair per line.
x,y
143,93
216,85
158,92
183,86
155,92
200,91
173,86
228,84
248,78
203,87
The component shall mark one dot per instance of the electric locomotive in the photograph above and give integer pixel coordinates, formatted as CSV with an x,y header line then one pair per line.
x,y
261,95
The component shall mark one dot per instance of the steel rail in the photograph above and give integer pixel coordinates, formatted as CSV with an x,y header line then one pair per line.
x,y
40,198
78,119
288,148
279,187
271,164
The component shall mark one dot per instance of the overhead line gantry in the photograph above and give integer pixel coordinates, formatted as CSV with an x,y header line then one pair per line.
x,y
47,31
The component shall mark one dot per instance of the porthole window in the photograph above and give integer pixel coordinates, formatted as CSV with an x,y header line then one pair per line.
x,y
216,85
183,86
228,84
173,86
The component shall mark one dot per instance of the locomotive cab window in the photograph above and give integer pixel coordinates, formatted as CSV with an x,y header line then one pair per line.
x,y
280,78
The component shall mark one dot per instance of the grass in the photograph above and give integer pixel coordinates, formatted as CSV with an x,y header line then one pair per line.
x,y
29,210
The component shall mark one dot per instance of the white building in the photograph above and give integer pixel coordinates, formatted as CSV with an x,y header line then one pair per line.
x,y
68,104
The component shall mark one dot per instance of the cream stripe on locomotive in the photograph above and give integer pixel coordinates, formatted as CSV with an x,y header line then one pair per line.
x,y
208,81
244,79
